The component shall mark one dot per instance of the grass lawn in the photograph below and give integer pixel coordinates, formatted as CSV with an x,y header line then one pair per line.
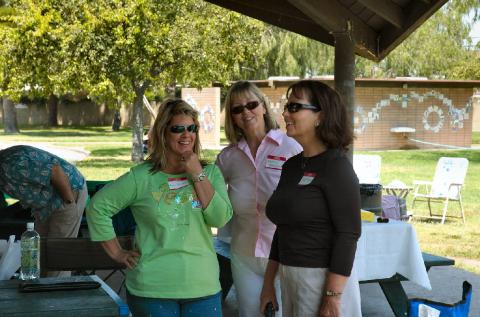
x,y
110,157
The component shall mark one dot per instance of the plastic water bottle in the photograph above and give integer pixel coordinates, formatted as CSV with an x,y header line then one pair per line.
x,y
30,250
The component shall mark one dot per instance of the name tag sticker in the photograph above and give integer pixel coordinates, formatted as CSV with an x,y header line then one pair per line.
x,y
307,178
176,183
275,162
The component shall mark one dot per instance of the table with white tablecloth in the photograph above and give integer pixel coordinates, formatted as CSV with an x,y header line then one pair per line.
x,y
385,249
387,254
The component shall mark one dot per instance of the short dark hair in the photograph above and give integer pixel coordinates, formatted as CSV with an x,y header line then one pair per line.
x,y
336,129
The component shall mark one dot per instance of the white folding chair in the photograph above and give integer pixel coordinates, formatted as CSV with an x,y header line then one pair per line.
x,y
367,168
446,186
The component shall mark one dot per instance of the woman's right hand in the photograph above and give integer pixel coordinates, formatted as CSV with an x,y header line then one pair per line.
x,y
268,296
127,257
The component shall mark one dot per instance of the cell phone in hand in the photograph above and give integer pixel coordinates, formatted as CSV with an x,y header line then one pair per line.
x,y
269,310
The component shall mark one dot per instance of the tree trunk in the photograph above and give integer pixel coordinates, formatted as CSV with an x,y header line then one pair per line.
x,y
137,126
117,120
52,104
170,89
9,116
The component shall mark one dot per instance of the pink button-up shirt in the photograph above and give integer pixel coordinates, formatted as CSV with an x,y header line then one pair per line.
x,y
251,182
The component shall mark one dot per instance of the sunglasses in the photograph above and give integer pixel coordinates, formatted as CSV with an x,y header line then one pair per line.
x,y
293,107
193,128
238,109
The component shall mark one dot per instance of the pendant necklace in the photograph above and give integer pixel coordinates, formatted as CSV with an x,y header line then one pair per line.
x,y
304,162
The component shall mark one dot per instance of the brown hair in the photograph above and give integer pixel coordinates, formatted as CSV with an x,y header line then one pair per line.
x,y
158,136
335,129
233,133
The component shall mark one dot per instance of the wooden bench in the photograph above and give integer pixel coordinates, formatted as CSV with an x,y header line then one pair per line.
x,y
85,257
432,260
79,255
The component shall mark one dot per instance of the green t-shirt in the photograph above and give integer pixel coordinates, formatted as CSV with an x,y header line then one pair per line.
x,y
173,231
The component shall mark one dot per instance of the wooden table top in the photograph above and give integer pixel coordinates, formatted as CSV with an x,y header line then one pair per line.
x,y
98,302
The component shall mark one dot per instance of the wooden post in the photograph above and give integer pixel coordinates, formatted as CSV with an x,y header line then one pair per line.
x,y
345,72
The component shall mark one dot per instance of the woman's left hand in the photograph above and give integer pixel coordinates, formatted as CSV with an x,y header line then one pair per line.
x,y
191,163
330,306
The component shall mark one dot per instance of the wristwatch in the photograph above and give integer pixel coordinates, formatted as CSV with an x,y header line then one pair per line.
x,y
332,293
200,177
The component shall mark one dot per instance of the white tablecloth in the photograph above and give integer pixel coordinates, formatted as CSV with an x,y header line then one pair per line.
x,y
385,249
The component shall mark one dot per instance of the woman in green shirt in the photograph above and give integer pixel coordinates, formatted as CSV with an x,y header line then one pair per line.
x,y
175,200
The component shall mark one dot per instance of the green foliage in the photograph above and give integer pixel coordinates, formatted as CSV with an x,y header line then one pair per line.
x,y
285,53
116,50
111,48
468,68
438,49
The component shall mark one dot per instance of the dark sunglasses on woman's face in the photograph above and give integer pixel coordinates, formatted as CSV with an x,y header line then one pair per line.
x,y
293,107
238,109
181,128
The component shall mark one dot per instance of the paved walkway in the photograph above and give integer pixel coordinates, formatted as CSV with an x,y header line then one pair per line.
x,y
446,288
69,154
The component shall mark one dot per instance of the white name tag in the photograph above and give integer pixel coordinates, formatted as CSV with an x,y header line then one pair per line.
x,y
307,178
275,162
176,183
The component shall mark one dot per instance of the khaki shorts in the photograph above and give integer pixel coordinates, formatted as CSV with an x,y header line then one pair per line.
x,y
64,222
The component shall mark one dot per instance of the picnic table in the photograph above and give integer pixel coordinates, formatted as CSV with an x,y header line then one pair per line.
x,y
72,303
387,254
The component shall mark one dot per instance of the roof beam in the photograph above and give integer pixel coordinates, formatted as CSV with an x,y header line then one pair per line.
x,y
266,6
387,9
416,14
285,16
334,17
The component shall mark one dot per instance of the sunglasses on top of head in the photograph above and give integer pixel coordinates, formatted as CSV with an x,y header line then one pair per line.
x,y
293,107
193,128
238,109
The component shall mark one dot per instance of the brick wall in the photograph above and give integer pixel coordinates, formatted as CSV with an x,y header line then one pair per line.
x,y
207,102
439,111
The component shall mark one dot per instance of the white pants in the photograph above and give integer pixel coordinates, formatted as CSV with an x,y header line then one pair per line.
x,y
248,273
302,291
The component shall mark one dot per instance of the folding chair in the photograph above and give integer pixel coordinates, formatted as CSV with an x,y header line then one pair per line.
x,y
424,307
446,186
367,168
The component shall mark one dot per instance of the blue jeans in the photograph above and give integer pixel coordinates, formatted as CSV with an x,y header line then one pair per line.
x,y
210,306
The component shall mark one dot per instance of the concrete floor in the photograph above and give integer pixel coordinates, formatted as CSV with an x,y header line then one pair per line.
x,y
446,287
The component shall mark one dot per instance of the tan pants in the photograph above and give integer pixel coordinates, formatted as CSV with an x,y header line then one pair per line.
x,y
64,223
302,290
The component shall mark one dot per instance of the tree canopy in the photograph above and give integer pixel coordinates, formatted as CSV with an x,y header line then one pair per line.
x,y
118,49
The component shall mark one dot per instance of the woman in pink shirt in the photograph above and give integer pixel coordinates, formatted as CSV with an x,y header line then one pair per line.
x,y
251,166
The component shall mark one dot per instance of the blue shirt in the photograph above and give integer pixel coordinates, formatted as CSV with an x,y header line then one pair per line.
x,y
25,174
